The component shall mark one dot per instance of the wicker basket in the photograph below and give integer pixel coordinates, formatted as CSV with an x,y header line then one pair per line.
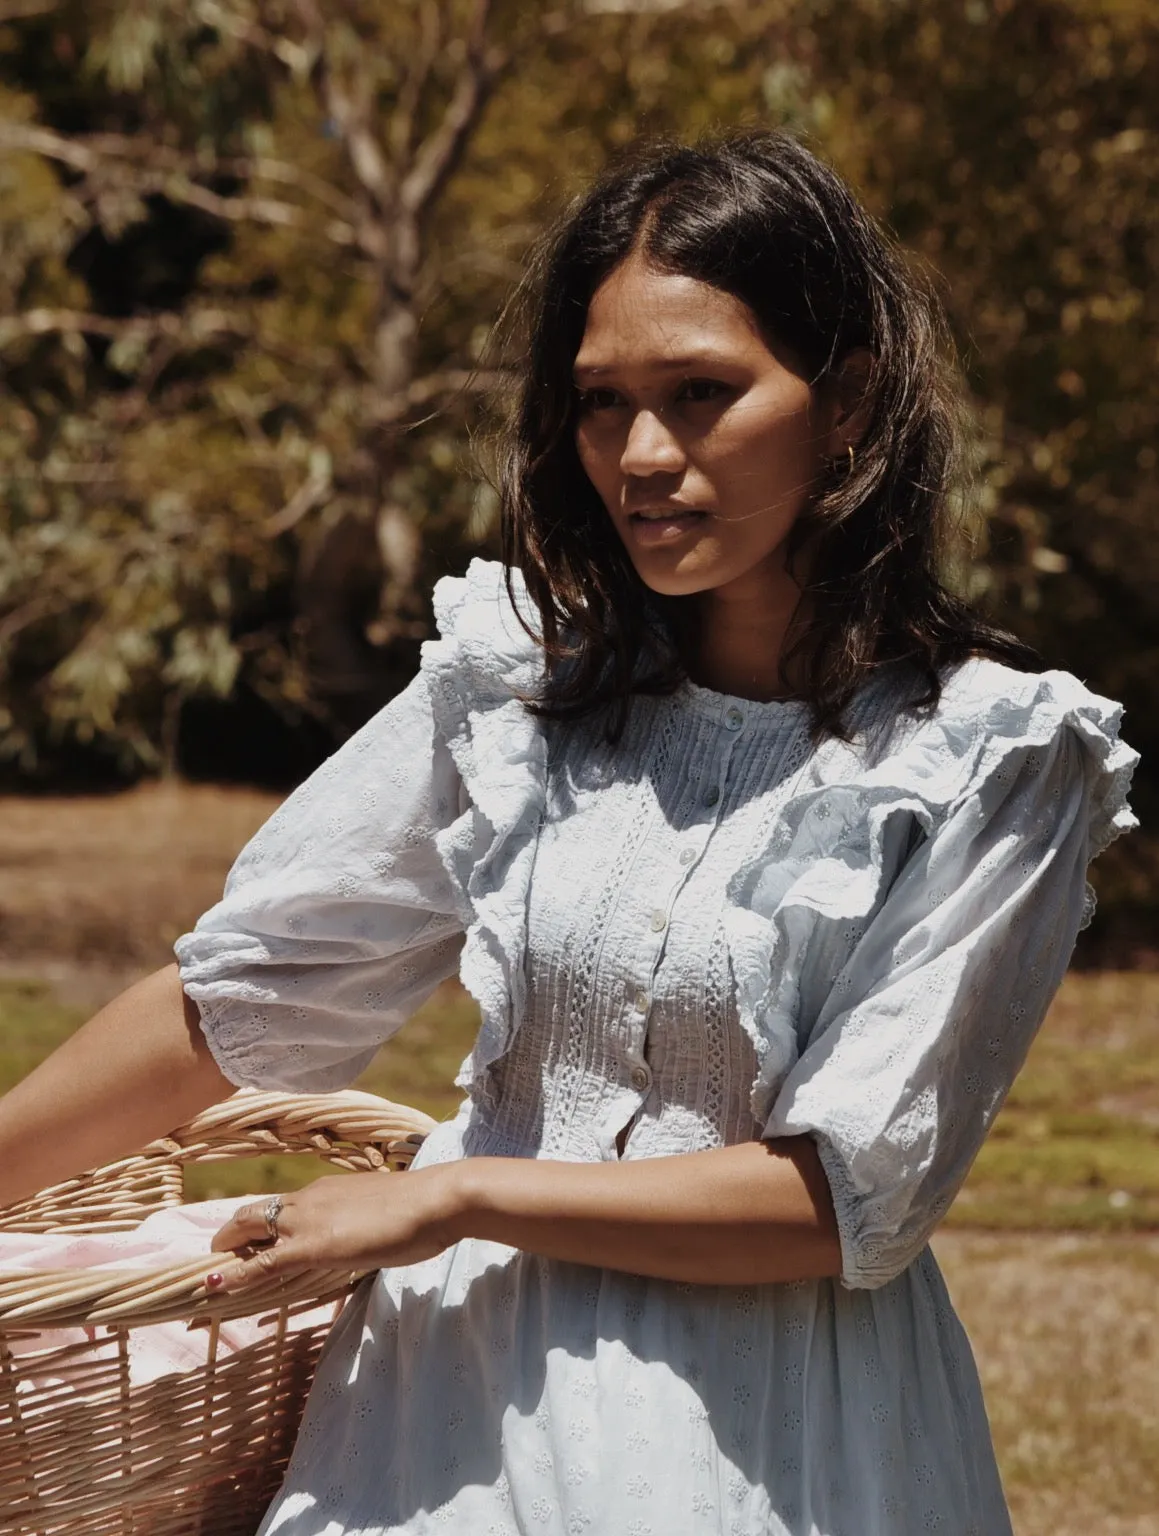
x,y
199,1452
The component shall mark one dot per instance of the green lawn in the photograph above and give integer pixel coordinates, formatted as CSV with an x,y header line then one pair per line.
x,y
417,1067
32,1023
1075,1148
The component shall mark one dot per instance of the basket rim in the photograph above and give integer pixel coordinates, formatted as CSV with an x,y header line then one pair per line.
x,y
36,1300
121,1296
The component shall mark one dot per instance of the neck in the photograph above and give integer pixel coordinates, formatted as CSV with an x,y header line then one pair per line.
x,y
740,635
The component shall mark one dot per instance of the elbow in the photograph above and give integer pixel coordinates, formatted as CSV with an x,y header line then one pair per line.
x,y
880,1233
869,1262
801,1240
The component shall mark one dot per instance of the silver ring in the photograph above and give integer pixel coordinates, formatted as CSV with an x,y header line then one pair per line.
x,y
271,1211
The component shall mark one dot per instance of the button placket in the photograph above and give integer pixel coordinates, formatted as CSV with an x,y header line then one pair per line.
x,y
638,1002
638,996
733,724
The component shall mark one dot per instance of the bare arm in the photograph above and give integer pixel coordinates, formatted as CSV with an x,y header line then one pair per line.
x,y
136,1070
742,1215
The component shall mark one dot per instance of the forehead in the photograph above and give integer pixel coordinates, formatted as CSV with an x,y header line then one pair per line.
x,y
639,316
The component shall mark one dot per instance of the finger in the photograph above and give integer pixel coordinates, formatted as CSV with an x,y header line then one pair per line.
x,y
241,1274
247,1226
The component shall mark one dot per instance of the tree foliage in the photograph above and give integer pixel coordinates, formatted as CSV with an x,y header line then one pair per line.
x,y
251,252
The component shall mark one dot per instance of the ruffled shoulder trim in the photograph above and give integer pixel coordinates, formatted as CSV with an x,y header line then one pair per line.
x,y
478,669
1022,712
837,834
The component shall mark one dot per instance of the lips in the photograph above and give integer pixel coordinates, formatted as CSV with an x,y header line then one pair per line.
x,y
665,513
662,525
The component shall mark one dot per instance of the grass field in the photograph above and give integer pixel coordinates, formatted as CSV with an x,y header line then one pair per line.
x,y
1051,1250
1065,1327
1076,1146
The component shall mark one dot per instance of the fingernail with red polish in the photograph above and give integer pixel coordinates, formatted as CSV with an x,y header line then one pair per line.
x,y
214,1280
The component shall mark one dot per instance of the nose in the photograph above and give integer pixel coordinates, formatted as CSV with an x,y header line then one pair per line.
x,y
651,448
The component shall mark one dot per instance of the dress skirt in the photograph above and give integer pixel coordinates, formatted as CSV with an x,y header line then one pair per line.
x,y
489,1392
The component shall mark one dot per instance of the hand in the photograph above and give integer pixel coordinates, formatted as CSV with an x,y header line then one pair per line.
x,y
358,1221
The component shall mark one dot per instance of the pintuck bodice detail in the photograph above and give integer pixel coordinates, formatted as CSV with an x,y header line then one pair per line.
x,y
630,1021
710,931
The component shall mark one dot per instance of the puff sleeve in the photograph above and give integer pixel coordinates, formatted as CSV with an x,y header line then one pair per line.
x,y
931,1018
339,917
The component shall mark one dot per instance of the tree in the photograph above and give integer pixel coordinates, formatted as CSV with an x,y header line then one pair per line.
x,y
251,251
254,252
1014,144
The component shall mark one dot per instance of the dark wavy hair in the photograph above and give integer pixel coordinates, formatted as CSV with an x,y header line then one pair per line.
x,y
758,216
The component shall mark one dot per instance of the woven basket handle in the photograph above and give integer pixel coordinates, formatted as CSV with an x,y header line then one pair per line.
x,y
349,1129
353,1130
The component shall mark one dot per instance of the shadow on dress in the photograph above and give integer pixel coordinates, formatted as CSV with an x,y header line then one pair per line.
x,y
561,1398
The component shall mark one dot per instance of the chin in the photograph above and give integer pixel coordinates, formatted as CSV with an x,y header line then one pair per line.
x,y
670,582
674,586
683,574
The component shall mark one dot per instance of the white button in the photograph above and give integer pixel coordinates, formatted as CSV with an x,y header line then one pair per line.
x,y
642,1000
658,921
687,855
734,719
711,796
640,1077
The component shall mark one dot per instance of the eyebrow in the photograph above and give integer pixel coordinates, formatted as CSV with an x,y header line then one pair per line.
x,y
666,364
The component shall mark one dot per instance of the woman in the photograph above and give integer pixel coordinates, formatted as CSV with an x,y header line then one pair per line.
x,y
756,848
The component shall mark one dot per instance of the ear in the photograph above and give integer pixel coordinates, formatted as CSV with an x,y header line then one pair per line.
x,y
848,402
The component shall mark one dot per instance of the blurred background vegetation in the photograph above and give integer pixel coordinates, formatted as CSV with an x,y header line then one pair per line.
x,y
251,252
251,255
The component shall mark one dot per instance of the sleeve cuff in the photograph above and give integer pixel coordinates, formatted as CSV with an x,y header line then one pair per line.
x,y
868,1260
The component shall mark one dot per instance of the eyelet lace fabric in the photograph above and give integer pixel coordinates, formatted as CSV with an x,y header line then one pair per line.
x,y
712,932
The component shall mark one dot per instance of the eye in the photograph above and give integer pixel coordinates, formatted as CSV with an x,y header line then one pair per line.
x,y
699,391
589,400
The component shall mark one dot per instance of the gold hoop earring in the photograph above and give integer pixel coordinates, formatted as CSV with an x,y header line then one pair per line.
x,y
850,452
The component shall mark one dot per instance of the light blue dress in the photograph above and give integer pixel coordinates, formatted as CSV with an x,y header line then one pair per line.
x,y
709,933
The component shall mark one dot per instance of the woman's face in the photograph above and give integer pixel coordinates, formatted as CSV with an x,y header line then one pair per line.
x,y
702,444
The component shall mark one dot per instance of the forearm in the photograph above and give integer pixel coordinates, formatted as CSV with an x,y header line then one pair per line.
x,y
137,1069
741,1215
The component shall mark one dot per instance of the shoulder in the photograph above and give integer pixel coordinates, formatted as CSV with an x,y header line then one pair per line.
x,y
1035,712
1000,697
994,724
486,633
985,706
479,670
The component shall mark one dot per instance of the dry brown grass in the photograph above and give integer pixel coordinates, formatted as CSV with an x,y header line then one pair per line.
x,y
109,881
1066,1331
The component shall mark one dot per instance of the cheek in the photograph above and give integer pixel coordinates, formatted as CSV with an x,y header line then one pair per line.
x,y
595,460
764,462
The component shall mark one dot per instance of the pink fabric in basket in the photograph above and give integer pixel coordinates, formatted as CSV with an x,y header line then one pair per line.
x,y
166,1237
